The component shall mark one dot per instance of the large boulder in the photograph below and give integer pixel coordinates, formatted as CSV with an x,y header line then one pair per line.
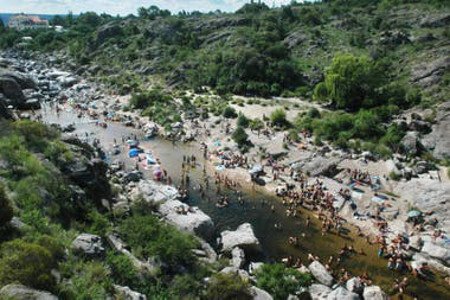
x,y
374,293
88,244
24,81
319,165
321,273
21,292
410,143
154,192
243,237
12,90
436,251
319,291
259,294
355,285
342,294
187,218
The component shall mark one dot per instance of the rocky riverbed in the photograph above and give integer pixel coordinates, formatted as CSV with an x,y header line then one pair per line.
x,y
25,84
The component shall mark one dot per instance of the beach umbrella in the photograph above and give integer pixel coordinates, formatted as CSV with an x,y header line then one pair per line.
x,y
414,213
133,152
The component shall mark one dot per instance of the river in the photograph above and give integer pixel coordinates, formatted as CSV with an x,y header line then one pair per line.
x,y
256,209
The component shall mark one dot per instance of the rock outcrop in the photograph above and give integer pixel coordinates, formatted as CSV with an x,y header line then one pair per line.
x,y
243,237
438,140
319,291
21,292
436,251
342,293
321,273
374,293
187,218
88,244
153,192
428,74
259,294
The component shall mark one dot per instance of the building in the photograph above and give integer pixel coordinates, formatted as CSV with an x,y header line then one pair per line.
x,y
23,21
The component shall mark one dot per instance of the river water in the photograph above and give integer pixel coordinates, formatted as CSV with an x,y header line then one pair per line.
x,y
256,209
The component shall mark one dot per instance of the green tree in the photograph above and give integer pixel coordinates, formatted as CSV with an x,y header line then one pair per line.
x,y
350,82
280,281
227,287
6,211
240,136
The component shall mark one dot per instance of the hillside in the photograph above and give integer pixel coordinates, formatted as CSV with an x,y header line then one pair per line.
x,y
263,51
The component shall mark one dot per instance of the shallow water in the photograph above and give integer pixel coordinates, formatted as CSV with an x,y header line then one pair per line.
x,y
255,210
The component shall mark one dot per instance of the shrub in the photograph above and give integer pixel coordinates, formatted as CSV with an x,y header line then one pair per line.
x,y
280,281
149,237
227,287
278,117
88,280
243,121
27,263
240,136
229,112
256,124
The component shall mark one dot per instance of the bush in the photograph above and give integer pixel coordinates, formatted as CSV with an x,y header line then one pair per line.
x,y
6,211
229,112
26,263
240,136
280,281
149,237
243,121
227,287
278,118
88,280
256,124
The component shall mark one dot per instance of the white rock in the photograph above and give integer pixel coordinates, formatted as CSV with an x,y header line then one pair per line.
x,y
154,192
436,251
342,294
21,292
321,273
319,291
237,257
254,267
194,220
243,237
259,294
374,292
89,244
127,294
355,285
415,242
